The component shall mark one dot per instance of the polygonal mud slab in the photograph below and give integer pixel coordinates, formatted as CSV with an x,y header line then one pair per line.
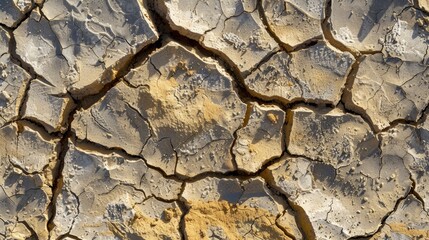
x,y
409,221
232,29
25,182
348,186
410,145
236,209
332,137
261,139
13,11
106,195
79,46
388,89
363,25
408,39
114,121
314,74
394,85
341,202
182,110
295,22
13,82
43,105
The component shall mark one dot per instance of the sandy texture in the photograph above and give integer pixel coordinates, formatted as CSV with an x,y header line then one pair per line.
x,y
234,209
208,220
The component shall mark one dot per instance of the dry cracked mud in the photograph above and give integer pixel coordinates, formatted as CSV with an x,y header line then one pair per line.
x,y
214,119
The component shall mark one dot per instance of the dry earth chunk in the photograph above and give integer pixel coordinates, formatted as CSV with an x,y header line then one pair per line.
x,y
192,110
234,209
261,139
230,28
363,25
331,137
76,48
295,21
393,85
13,11
411,145
388,89
106,195
26,148
315,74
13,82
113,122
179,112
408,39
342,202
191,105
409,221
348,186
42,105
79,45
24,188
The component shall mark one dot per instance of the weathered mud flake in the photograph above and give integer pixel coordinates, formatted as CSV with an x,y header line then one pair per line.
x,y
341,202
232,29
182,109
13,11
233,209
261,139
114,122
295,21
408,39
410,144
409,221
80,46
388,89
344,182
27,150
363,25
316,74
192,18
333,137
192,109
25,191
44,106
274,80
106,195
13,82
323,69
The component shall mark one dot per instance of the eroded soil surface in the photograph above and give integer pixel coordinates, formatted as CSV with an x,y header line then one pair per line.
x,y
214,119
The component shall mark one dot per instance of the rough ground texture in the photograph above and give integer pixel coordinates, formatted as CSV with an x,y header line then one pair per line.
x,y
214,119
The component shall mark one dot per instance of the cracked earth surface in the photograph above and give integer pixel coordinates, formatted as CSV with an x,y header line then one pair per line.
x,y
214,119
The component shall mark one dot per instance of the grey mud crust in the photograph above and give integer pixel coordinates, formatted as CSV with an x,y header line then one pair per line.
x,y
214,119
